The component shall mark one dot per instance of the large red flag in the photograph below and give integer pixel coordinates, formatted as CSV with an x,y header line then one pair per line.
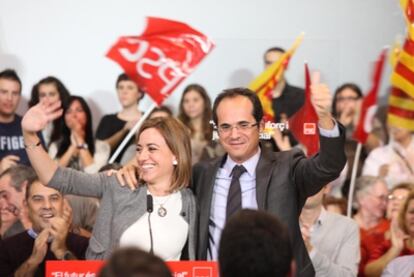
x,y
162,56
304,123
369,104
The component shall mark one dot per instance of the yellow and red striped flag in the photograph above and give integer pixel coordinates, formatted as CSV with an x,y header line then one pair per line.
x,y
401,99
264,84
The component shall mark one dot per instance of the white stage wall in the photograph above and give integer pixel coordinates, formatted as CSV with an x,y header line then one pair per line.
x,y
69,39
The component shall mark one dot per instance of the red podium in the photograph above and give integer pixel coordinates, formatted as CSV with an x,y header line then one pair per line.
x,y
91,268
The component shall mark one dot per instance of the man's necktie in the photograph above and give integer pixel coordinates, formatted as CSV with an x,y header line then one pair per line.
x,y
234,198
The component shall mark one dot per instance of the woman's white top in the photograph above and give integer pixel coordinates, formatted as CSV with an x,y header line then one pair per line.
x,y
100,158
169,233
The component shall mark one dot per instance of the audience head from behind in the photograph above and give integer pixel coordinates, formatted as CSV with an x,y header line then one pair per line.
x,y
129,94
13,183
133,262
10,95
255,243
238,108
164,141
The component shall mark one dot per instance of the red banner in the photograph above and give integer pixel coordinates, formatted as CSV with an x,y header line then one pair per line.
x,y
369,104
92,268
163,56
304,123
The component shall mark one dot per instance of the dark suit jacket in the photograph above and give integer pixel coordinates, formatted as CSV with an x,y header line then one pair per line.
x,y
283,182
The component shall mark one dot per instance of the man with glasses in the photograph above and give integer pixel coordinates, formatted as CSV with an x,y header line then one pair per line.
x,y
248,176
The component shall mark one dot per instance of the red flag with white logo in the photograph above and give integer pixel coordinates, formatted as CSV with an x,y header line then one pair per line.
x,y
304,123
162,56
369,104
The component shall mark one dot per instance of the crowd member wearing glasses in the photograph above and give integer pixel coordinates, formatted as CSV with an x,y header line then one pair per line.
x,y
400,242
345,105
396,199
371,195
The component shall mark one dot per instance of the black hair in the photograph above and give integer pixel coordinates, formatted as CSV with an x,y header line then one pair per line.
x,y
134,262
254,243
351,86
10,74
64,95
125,77
89,139
234,92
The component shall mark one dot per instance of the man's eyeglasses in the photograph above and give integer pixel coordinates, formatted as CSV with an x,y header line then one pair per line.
x,y
349,98
383,198
241,126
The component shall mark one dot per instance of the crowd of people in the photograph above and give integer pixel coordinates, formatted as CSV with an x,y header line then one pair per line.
x,y
177,193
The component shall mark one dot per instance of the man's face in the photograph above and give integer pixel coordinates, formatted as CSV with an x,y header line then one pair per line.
x,y
43,203
271,57
375,201
11,200
9,97
241,143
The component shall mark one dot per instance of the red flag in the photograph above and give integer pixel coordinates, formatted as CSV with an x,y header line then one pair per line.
x,y
160,58
304,123
369,104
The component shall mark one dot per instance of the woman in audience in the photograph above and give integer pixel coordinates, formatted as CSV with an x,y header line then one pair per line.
x,y
345,105
371,199
195,113
396,199
126,218
394,161
400,243
76,148
52,90
114,127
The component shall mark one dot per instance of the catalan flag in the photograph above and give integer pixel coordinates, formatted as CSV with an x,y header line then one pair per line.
x,y
264,84
401,100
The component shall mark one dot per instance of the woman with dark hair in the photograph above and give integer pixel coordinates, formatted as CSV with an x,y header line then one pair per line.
x,y
50,89
163,223
76,147
114,127
195,113
345,105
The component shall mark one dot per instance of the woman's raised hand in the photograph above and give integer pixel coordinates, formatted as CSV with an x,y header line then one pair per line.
x,y
38,116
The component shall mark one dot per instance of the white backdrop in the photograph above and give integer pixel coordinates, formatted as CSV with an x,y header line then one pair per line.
x,y
69,39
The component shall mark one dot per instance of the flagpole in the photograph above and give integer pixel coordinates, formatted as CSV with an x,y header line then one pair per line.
x,y
353,177
132,132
